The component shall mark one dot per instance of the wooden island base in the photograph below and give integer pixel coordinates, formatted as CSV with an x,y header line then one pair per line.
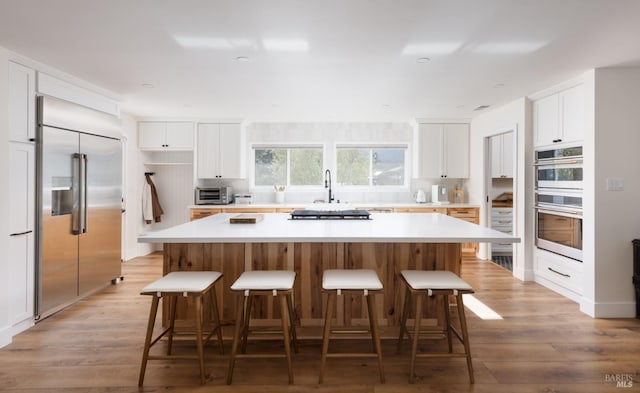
x,y
309,260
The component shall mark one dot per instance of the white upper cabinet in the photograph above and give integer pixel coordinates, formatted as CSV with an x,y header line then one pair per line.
x,y
559,118
21,103
444,151
502,155
219,151
159,135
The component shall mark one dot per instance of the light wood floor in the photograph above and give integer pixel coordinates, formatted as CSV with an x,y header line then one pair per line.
x,y
543,344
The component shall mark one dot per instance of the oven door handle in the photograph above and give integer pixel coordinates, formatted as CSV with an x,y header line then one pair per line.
x,y
559,212
557,162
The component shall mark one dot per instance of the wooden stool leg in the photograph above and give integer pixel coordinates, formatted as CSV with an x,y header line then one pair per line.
x,y
198,318
326,333
447,321
236,338
292,322
285,333
172,321
465,335
147,342
416,335
216,319
375,334
403,319
248,307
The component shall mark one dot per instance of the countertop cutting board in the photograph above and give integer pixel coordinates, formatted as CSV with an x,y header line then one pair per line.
x,y
246,218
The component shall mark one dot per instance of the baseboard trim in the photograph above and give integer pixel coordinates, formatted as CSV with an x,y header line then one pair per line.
x,y
608,309
22,326
5,336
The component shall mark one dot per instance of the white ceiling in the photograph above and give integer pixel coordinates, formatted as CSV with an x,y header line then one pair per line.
x,y
322,60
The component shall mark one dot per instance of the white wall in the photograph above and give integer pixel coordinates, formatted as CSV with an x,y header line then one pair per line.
x,y
5,327
616,214
514,116
132,191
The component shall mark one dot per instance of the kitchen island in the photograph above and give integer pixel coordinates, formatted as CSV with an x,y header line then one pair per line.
x,y
386,243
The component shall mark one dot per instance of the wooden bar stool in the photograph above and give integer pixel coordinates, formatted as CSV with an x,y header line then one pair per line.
x,y
187,284
440,284
263,283
336,281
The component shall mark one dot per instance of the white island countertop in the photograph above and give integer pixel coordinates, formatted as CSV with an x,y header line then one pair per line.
x,y
381,228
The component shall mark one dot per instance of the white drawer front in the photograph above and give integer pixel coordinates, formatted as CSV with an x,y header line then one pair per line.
x,y
562,271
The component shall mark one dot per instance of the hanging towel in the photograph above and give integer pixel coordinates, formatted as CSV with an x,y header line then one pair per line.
x,y
151,209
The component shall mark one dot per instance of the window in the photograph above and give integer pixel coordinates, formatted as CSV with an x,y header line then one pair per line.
x,y
290,166
371,166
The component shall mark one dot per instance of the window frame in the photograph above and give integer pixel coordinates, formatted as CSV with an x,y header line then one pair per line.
x,y
288,146
374,145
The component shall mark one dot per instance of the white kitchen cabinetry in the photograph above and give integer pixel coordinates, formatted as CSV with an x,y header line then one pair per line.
x,y
21,103
21,264
502,220
444,151
563,275
164,136
219,151
559,118
502,155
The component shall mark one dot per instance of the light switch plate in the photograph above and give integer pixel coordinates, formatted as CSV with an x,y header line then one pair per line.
x,y
615,184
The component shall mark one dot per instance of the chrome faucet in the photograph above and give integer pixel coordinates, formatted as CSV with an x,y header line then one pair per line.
x,y
327,184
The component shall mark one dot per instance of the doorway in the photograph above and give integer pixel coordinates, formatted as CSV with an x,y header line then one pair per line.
x,y
500,181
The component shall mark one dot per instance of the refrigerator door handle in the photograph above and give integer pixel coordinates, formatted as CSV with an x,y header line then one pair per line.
x,y
76,213
83,191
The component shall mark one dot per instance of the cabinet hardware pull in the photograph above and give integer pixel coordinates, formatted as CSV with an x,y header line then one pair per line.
x,y
557,272
21,233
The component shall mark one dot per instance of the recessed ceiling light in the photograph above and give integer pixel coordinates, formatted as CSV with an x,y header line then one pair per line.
x,y
423,60
460,106
498,85
386,106
148,85
242,59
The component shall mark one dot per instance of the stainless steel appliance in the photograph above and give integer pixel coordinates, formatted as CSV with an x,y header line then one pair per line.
x,y
559,168
559,222
439,194
79,203
214,195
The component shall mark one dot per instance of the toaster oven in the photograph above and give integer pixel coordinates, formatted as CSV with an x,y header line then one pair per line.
x,y
214,195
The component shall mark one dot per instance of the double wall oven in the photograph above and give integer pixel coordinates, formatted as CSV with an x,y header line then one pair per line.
x,y
558,201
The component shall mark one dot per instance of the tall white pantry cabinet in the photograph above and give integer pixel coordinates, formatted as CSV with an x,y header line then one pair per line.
x,y
22,196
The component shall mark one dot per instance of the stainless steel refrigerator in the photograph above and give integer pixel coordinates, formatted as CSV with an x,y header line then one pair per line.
x,y
78,203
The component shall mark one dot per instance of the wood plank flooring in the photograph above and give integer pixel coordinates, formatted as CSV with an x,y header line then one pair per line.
x,y
542,344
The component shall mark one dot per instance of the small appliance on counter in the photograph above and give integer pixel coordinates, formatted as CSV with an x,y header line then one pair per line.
x,y
421,196
214,195
439,194
243,199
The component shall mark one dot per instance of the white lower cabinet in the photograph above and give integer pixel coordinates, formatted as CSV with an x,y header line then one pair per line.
x,y
563,275
502,220
21,264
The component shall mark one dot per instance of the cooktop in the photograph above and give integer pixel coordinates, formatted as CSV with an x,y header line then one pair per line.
x,y
330,215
